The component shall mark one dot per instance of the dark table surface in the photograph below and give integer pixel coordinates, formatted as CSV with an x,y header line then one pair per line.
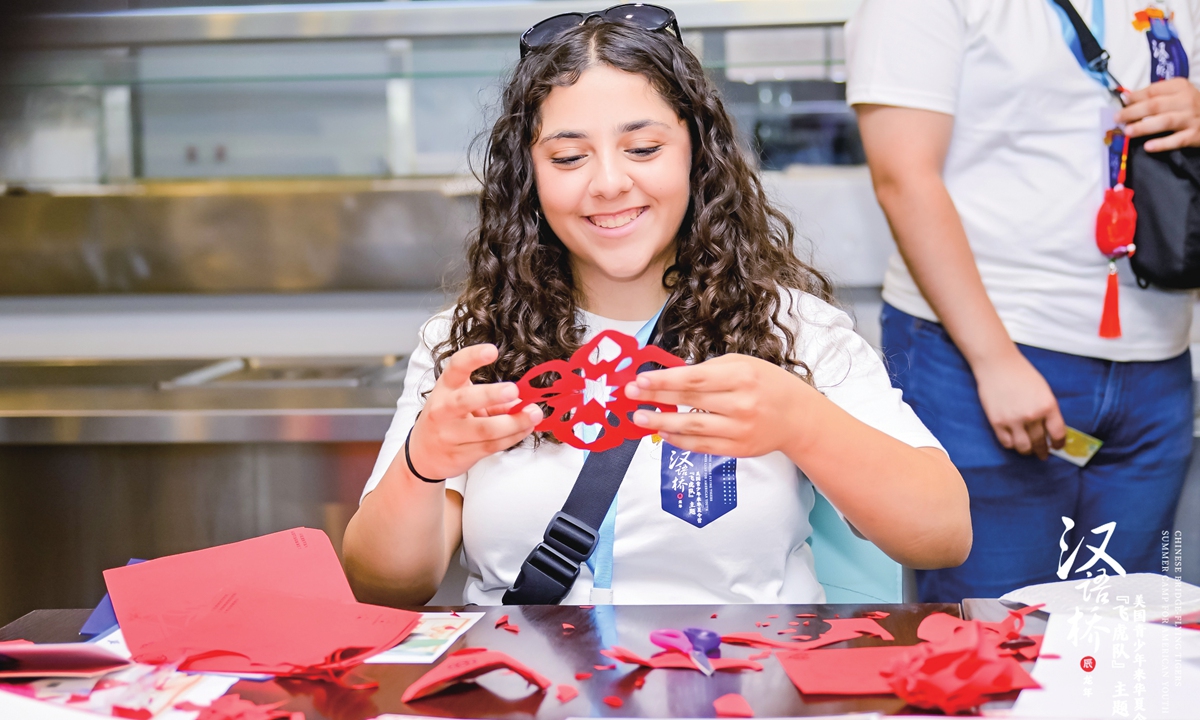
x,y
542,645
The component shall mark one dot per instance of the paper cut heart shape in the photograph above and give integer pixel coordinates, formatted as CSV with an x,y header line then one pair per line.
x,y
589,393
465,665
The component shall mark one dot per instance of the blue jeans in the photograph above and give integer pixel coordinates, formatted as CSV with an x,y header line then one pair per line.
x,y
1141,410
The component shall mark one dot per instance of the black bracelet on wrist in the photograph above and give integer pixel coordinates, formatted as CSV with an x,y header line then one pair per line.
x,y
408,458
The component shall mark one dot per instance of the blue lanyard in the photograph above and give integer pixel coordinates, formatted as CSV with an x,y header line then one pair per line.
x,y
601,561
1072,38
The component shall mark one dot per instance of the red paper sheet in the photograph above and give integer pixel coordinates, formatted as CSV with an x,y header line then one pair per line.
x,y
273,604
23,659
249,631
465,665
842,671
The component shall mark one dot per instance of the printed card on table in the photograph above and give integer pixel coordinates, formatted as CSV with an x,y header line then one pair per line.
x,y
435,632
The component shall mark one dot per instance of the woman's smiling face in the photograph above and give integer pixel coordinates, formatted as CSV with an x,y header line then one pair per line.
x,y
613,164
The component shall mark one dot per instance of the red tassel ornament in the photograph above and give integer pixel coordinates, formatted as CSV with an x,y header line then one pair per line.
x,y
1115,226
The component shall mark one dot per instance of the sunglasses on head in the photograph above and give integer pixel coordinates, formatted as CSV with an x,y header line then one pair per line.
x,y
651,18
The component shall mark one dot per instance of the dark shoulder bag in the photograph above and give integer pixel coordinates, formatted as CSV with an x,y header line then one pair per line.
x,y
1166,193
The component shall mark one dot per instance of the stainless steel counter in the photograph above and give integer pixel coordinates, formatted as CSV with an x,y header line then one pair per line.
x,y
244,401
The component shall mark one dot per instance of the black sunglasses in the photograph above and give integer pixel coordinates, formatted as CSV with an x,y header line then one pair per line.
x,y
651,18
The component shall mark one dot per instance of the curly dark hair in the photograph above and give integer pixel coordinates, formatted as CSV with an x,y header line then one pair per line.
x,y
734,250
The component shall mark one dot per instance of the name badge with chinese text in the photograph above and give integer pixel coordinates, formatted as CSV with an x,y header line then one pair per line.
x,y
697,487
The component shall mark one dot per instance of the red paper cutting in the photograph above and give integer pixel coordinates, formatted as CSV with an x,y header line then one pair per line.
x,y
732,705
567,628
772,616
514,629
676,660
502,621
278,604
613,701
462,666
590,390
605,667
582,675
759,655
957,673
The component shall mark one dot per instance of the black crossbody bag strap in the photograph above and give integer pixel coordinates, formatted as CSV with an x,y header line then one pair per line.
x,y
1095,56
571,537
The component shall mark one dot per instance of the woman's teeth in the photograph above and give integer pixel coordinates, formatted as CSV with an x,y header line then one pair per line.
x,y
616,220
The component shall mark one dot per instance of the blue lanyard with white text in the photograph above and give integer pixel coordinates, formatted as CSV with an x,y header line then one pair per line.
x,y
601,561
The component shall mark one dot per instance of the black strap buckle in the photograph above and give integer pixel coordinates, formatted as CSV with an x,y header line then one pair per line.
x,y
550,570
1099,63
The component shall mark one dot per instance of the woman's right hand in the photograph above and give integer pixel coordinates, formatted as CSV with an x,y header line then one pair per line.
x,y
1020,406
462,423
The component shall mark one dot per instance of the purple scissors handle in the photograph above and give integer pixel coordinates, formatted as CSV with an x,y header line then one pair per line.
x,y
671,640
678,640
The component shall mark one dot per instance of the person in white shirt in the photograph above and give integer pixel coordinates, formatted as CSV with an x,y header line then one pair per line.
x,y
615,192
991,147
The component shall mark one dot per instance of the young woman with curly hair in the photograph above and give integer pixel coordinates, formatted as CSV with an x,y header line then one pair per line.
x,y
614,188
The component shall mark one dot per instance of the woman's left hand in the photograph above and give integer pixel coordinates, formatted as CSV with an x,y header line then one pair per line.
x,y
1167,106
750,407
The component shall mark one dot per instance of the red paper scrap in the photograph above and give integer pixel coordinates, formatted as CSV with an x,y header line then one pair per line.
x,y
590,390
275,604
233,707
842,671
762,624
803,615
1049,656
586,607
582,675
772,616
842,629
454,614
514,629
131,713
957,673
566,693
567,627
713,616
613,701
732,705
605,667
805,623
876,614
940,627
793,623
639,682
502,621
676,660
23,659
461,666
759,655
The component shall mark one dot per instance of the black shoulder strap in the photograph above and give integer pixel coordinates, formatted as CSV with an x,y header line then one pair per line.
x,y
571,537
1095,56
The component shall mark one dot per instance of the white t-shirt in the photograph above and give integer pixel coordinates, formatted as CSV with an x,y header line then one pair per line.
x,y
756,552
1026,166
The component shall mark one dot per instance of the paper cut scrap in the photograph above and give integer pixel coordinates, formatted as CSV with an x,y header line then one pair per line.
x,y
502,621
567,628
514,629
23,659
566,693
842,671
276,604
956,673
610,666
465,665
732,705
590,390
676,660
582,675
234,707
759,655
613,701
1006,634
842,629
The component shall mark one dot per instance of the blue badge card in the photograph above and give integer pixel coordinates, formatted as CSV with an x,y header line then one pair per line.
x,y
696,487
